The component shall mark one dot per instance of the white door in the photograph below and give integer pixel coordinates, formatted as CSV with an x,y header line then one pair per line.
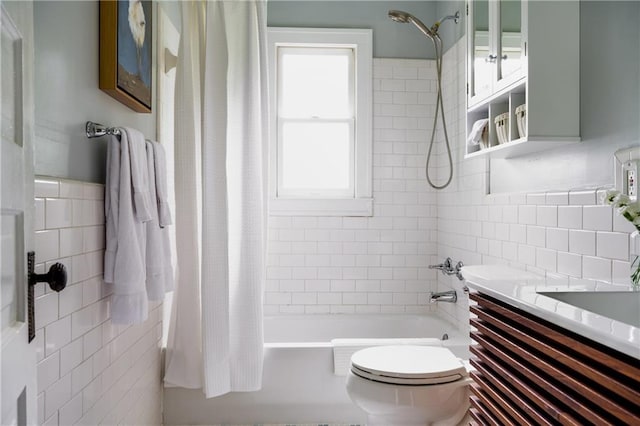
x,y
18,358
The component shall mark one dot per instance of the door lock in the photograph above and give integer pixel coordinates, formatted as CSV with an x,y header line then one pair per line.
x,y
56,278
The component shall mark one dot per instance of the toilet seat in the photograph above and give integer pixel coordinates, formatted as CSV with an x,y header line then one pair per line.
x,y
408,365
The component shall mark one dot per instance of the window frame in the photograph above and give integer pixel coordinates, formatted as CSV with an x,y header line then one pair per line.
x,y
359,202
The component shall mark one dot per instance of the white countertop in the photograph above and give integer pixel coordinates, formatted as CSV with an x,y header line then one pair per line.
x,y
521,290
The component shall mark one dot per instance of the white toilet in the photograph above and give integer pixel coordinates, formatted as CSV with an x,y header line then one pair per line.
x,y
409,385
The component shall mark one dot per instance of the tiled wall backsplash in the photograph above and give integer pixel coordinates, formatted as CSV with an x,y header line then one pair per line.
x,y
369,264
89,370
568,233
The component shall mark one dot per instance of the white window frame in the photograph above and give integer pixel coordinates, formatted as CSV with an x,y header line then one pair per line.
x,y
359,201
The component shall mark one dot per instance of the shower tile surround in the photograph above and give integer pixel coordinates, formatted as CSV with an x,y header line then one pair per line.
x,y
379,264
89,370
565,233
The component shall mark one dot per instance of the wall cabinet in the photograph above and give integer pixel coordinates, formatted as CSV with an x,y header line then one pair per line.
x,y
523,52
529,371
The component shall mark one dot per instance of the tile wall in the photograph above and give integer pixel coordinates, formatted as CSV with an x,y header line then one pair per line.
x,y
89,370
369,264
564,232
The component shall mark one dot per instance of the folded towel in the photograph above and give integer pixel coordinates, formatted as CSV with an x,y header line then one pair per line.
x,y
160,162
125,253
139,174
343,349
158,265
475,136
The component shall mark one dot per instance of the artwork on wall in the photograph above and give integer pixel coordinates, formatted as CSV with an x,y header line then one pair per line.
x,y
126,30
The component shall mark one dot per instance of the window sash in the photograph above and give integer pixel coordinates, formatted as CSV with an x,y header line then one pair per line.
x,y
310,193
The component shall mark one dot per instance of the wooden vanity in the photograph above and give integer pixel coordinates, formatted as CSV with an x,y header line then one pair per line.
x,y
530,371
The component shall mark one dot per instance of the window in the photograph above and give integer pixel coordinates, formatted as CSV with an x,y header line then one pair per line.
x,y
320,141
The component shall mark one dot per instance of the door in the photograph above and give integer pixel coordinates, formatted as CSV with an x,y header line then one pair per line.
x,y
18,358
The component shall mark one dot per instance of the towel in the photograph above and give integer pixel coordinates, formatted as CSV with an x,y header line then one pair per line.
x,y
160,163
125,255
343,349
139,175
475,136
158,266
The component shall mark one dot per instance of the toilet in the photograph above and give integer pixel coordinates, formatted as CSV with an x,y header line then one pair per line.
x,y
409,385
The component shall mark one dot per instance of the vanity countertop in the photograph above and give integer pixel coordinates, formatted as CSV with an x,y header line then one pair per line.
x,y
522,289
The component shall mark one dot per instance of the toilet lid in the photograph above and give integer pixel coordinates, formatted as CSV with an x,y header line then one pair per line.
x,y
408,364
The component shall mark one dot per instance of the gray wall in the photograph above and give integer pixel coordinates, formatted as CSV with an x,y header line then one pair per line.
x,y
390,39
67,94
609,107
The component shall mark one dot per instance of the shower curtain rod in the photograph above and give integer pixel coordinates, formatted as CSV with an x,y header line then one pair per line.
x,y
95,130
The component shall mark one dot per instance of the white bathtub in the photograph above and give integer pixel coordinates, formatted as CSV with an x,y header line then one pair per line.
x,y
298,382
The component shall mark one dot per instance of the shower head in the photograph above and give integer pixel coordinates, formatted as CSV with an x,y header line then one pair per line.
x,y
404,18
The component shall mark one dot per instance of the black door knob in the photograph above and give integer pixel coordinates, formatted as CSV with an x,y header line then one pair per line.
x,y
56,277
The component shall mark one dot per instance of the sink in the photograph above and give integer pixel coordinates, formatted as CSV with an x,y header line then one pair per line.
x,y
622,306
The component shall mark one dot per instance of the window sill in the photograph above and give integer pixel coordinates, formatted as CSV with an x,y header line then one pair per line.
x,y
321,207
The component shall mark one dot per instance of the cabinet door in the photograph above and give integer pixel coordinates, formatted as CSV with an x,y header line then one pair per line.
x,y
480,52
510,60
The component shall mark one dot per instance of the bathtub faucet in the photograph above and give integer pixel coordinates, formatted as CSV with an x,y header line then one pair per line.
x,y
447,268
445,296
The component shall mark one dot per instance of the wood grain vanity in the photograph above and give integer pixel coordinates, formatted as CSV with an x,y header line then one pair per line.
x,y
531,371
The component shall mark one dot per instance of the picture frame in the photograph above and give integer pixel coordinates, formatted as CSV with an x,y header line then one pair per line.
x,y
126,46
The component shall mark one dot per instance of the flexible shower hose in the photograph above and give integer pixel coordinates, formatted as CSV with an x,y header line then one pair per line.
x,y
437,42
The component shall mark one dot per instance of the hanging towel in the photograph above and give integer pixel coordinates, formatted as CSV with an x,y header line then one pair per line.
x,y
139,174
160,163
159,269
475,136
125,266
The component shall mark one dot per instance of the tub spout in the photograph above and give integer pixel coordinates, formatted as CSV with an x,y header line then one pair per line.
x,y
445,296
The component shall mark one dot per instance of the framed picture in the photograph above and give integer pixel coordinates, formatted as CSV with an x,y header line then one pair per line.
x,y
126,29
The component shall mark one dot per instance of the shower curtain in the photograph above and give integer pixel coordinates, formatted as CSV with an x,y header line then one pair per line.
x,y
216,336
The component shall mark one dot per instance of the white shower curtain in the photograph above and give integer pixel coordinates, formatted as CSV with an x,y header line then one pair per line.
x,y
216,337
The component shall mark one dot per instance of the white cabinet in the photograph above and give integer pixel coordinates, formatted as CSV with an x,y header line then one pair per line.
x,y
523,52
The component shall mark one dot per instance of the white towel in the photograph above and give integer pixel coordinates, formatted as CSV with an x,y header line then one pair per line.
x,y
159,269
139,175
475,136
343,349
160,162
125,263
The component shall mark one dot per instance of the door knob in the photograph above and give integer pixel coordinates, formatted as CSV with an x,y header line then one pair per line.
x,y
56,278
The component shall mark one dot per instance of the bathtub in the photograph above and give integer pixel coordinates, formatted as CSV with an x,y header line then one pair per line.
x,y
299,385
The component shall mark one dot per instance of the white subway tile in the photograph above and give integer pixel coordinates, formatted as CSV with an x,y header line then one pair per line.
x,y
621,272
570,217
546,259
582,242
70,356
71,412
71,241
57,335
587,197
57,395
547,216
46,308
44,188
536,236
612,245
558,239
81,376
48,371
46,245
557,198
527,215
39,215
596,268
570,264
597,218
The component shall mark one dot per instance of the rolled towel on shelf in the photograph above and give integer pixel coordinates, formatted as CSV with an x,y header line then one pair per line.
x,y
475,136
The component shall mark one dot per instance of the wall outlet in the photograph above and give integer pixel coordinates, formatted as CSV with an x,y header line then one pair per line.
x,y
627,168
